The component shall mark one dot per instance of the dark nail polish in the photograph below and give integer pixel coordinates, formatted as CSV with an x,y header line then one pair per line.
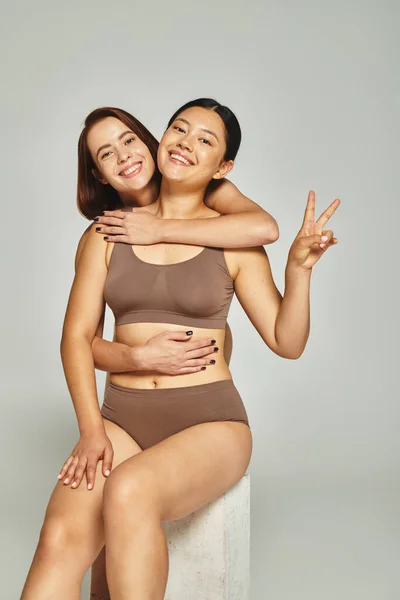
x,y
212,362
189,333
216,349
203,368
105,238
96,219
98,228
213,341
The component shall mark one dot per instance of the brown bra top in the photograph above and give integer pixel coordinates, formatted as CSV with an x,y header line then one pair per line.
x,y
196,292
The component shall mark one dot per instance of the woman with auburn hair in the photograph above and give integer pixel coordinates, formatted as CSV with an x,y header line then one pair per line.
x,y
168,444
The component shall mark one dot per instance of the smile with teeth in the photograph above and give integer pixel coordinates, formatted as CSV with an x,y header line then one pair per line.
x,y
180,158
131,169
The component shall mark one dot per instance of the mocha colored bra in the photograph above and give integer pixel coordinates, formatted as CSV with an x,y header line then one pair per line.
x,y
196,292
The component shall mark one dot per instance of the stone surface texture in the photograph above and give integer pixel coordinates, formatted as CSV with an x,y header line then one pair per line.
x,y
209,550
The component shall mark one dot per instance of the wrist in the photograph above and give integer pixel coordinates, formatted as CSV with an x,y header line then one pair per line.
x,y
92,428
296,271
137,359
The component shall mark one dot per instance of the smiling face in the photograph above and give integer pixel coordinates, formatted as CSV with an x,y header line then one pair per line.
x,y
121,158
192,149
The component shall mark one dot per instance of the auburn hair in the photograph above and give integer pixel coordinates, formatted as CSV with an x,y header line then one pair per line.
x,y
94,197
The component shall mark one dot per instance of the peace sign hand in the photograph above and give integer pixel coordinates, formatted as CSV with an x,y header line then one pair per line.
x,y
312,240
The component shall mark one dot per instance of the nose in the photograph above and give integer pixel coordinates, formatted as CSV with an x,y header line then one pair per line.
x,y
185,143
124,155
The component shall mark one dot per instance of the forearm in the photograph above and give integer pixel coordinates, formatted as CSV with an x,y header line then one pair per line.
x,y
292,325
115,357
239,230
77,360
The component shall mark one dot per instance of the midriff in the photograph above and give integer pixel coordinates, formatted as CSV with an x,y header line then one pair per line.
x,y
138,334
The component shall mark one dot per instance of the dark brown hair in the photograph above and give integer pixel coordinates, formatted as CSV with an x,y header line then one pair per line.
x,y
93,197
233,132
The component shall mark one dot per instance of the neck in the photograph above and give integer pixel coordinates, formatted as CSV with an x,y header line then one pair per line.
x,y
177,202
143,197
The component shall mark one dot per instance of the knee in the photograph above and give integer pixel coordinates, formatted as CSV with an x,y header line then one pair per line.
x,y
128,492
57,536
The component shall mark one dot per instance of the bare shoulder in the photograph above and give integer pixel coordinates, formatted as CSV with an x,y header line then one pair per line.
x,y
81,245
91,247
245,258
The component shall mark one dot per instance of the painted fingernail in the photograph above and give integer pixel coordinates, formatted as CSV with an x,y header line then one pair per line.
x,y
108,472
74,484
324,238
213,341
203,368
322,246
189,333
105,237
59,477
216,349
98,228
96,219
66,480
89,486
212,362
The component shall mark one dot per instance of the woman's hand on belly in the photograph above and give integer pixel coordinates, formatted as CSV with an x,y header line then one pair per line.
x,y
164,351
174,353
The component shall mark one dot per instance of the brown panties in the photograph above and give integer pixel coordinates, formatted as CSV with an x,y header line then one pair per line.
x,y
151,415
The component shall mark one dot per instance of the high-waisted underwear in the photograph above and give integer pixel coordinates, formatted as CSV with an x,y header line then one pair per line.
x,y
151,415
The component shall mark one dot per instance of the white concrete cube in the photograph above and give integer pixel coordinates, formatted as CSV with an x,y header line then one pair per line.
x,y
209,550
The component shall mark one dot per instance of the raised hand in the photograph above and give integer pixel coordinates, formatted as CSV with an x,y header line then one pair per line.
x,y
139,227
312,240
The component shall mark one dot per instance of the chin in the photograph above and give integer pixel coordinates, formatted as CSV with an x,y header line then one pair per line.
x,y
173,173
136,183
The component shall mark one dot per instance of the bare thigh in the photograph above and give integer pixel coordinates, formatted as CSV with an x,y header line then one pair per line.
x,y
185,471
82,507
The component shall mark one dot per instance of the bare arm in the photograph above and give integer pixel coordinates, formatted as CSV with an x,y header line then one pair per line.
x,y
111,357
242,223
282,322
84,312
164,353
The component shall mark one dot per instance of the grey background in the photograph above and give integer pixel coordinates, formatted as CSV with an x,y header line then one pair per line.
x,y
314,85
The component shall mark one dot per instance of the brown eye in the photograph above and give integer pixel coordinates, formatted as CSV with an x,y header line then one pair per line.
x,y
129,140
105,154
206,141
178,128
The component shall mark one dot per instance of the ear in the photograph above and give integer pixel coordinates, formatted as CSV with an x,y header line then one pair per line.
x,y
99,177
225,167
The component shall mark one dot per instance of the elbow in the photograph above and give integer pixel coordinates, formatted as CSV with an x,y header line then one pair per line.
x,y
289,353
268,231
292,355
72,339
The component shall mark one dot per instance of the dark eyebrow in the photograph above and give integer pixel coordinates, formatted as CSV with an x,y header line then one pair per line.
x,y
206,130
109,145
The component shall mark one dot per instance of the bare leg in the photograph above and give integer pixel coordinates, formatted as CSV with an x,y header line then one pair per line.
x,y
98,585
72,534
164,483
